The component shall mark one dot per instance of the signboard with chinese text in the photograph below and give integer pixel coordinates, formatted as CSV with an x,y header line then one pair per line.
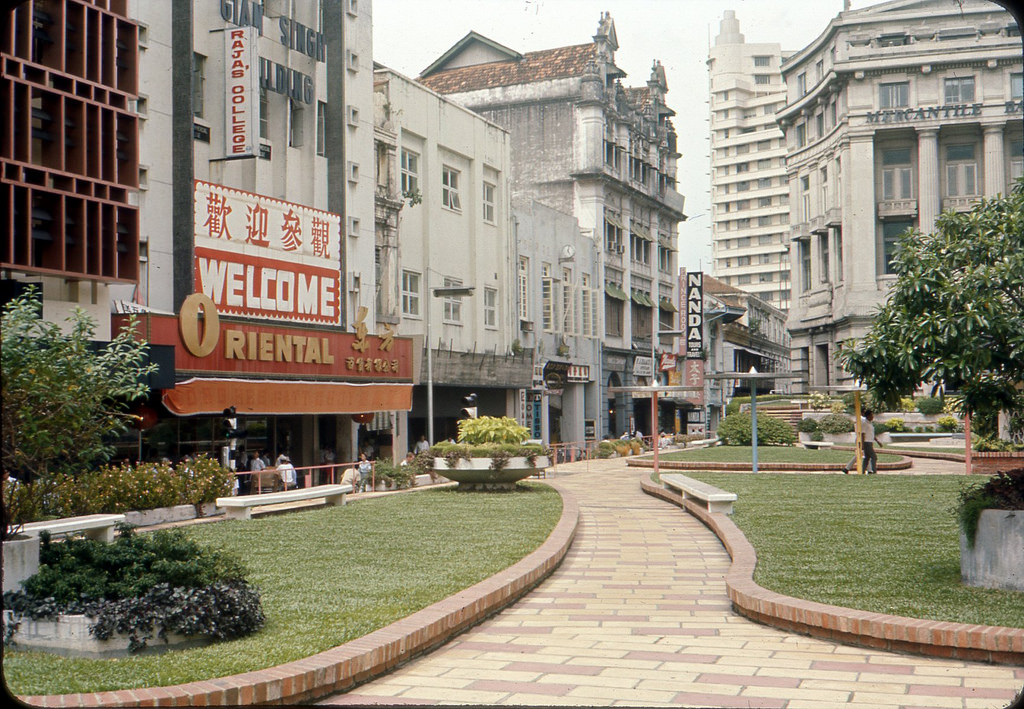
x,y
260,257
643,366
693,376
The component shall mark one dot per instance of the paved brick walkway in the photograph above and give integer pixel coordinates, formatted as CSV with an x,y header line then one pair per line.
x,y
638,615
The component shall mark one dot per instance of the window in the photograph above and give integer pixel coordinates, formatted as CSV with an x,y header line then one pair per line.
x,y
891,231
961,171
450,188
819,123
742,186
823,256
589,313
801,135
762,79
568,303
411,293
1016,160
762,61
764,163
452,304
264,113
410,173
198,83
764,201
764,221
491,307
547,293
321,128
819,69
823,182
897,174
488,202
1017,86
838,239
805,198
764,183
801,84
805,264
524,288
959,90
893,95
613,316
742,167
295,121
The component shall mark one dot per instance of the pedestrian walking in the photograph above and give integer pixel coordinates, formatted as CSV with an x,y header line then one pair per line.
x,y
867,436
365,470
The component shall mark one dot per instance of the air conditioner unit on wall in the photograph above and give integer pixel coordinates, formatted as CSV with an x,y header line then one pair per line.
x,y
526,325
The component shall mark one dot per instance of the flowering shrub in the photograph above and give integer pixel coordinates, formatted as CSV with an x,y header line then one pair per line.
x,y
948,424
115,489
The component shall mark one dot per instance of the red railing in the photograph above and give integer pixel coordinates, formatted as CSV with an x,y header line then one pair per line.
x,y
313,475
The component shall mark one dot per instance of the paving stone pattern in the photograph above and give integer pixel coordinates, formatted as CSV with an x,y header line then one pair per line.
x,y
638,614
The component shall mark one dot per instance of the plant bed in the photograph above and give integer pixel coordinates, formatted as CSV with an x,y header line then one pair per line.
x,y
131,590
490,455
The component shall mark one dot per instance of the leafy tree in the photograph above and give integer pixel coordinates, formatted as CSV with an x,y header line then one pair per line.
x,y
62,397
955,316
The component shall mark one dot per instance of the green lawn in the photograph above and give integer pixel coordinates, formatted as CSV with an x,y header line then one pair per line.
x,y
887,544
767,454
328,576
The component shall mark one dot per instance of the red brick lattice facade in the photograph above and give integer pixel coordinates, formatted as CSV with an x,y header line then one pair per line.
x,y
69,146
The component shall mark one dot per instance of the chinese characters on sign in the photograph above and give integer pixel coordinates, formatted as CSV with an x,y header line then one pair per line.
x,y
256,256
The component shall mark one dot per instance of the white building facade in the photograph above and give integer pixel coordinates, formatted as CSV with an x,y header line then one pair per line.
x,y
443,204
749,189
895,113
586,145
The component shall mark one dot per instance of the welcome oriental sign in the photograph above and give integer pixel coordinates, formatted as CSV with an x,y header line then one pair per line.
x,y
260,257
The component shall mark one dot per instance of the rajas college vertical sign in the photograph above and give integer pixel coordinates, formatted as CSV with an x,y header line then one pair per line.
x,y
241,114
694,315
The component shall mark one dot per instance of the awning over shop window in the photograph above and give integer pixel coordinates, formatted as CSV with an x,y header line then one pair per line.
x,y
666,304
212,396
613,220
613,291
640,298
641,231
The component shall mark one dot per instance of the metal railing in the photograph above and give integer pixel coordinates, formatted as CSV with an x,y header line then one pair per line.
x,y
309,475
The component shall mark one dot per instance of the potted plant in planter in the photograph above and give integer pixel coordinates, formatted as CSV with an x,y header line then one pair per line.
x,y
991,517
491,454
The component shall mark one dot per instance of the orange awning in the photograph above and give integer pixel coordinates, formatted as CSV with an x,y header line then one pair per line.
x,y
248,396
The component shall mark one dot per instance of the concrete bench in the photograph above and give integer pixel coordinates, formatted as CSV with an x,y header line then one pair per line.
x,y
716,500
99,527
814,445
240,507
703,443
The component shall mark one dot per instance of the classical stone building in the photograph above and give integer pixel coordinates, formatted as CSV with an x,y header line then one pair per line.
x,y
585,144
749,190
895,113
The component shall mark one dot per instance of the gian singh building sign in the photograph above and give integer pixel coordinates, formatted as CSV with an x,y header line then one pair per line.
x,y
260,257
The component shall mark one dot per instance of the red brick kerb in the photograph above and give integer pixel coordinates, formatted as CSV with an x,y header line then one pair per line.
x,y
982,643
362,659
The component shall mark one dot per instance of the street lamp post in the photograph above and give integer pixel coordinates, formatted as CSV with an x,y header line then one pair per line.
x,y
440,292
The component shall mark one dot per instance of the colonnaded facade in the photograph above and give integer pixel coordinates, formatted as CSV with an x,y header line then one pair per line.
x,y
894,114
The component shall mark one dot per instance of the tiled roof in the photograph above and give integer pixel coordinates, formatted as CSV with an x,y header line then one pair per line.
x,y
547,64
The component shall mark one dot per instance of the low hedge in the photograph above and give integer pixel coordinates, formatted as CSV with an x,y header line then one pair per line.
x,y
114,489
736,430
835,424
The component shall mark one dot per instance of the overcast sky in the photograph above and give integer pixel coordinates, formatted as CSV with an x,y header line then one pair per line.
x,y
408,35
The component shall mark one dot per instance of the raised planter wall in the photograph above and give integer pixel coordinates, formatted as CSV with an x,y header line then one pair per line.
x,y
997,558
992,463
69,636
21,560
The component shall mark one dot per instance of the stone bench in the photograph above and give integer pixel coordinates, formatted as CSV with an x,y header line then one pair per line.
x,y
815,445
703,443
715,500
99,527
240,507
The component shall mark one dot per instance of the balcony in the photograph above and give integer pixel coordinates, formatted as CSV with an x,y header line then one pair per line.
x,y
959,204
892,208
818,225
833,217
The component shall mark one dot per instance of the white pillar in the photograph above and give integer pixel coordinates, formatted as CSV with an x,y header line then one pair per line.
x,y
929,201
995,171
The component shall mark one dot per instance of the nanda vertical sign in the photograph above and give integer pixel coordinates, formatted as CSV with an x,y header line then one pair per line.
x,y
241,114
694,315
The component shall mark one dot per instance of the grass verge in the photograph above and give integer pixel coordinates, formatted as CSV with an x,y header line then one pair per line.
x,y
888,544
768,454
328,576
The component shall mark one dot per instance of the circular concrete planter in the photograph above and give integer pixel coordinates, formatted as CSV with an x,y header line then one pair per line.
x,y
477,473
997,558
21,560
